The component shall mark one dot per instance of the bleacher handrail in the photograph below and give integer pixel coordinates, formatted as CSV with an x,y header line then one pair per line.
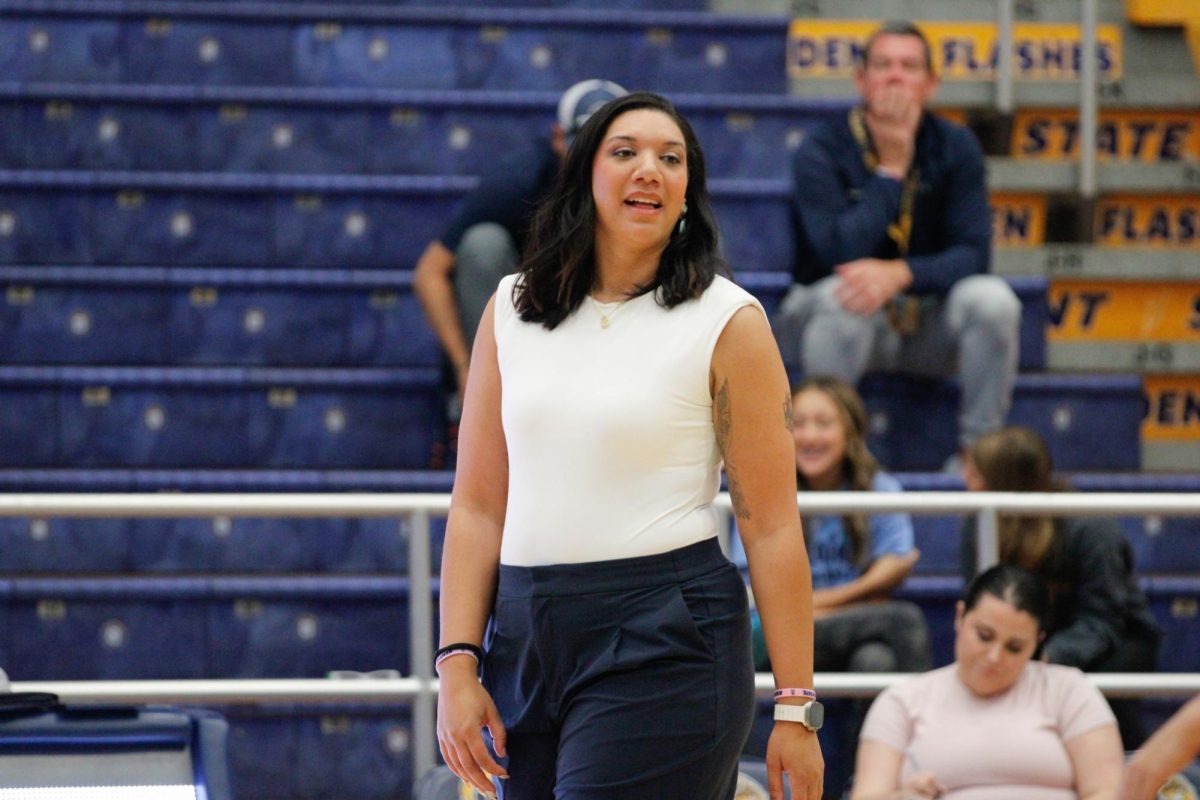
x,y
317,691
418,508
352,504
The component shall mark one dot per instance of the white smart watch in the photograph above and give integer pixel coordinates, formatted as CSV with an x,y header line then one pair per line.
x,y
811,715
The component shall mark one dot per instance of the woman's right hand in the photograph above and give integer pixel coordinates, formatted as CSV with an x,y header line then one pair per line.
x,y
464,709
922,786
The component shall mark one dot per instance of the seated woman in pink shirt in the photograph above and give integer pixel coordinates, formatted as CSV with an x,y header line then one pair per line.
x,y
994,725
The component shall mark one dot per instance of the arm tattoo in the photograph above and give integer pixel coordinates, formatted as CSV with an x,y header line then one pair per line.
x,y
724,431
787,412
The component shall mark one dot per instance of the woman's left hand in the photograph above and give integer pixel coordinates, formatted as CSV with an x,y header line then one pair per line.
x,y
794,749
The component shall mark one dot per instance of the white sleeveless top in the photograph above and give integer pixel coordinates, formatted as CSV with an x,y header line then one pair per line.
x,y
611,448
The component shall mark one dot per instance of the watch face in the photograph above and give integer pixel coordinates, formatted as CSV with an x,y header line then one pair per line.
x,y
816,715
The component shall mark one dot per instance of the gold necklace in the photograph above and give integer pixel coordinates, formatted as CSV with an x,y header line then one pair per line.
x,y
606,311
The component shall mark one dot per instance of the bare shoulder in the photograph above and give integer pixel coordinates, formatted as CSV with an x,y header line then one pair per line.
x,y
747,333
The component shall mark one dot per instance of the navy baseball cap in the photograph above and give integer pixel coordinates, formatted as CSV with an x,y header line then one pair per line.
x,y
581,100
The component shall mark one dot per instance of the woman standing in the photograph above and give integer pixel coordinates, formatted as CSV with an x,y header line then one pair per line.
x,y
611,377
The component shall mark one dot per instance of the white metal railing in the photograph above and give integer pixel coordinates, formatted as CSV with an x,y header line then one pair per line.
x,y
419,689
403,691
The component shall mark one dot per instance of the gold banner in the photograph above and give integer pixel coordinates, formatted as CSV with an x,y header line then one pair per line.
x,y
1165,221
1120,135
1172,409
1118,311
1018,220
1163,13
961,50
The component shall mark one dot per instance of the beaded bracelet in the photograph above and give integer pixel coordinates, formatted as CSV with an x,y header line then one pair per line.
x,y
458,648
809,693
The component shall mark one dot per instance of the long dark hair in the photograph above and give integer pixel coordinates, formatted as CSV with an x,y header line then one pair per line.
x,y
858,464
1020,588
559,266
1017,459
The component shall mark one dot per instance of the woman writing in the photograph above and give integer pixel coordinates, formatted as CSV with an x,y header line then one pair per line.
x,y
994,725
611,376
1099,620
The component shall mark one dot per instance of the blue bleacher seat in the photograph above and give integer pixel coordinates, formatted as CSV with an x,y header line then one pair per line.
x,y
1031,291
402,57
220,316
175,49
105,629
44,227
63,546
320,752
288,139
218,545
126,628
214,544
394,47
745,209
42,48
306,627
160,316
1175,601
269,223
199,219
327,130
137,227
1161,545
73,132
233,417
913,428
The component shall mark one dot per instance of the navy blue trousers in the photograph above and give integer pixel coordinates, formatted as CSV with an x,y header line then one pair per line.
x,y
630,678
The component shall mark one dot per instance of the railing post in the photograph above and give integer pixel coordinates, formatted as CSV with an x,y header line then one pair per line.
x,y
1004,53
420,632
1088,101
987,538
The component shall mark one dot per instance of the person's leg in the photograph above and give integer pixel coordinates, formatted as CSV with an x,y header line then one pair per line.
x,y
851,639
983,315
662,709
790,320
872,657
1136,653
485,254
838,343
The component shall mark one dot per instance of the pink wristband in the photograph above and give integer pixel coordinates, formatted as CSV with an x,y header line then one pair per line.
x,y
450,654
809,693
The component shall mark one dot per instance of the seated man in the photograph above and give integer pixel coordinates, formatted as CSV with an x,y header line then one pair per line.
x,y
893,235
459,271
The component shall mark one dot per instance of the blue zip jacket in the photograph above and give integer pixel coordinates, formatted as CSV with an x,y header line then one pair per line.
x,y
841,210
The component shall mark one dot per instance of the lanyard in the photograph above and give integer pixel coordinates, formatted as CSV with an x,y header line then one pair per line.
x,y
900,230
903,312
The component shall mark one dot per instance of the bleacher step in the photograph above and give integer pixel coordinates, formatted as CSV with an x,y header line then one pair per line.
x,y
1133,92
912,420
389,418
1164,177
1098,263
1147,357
